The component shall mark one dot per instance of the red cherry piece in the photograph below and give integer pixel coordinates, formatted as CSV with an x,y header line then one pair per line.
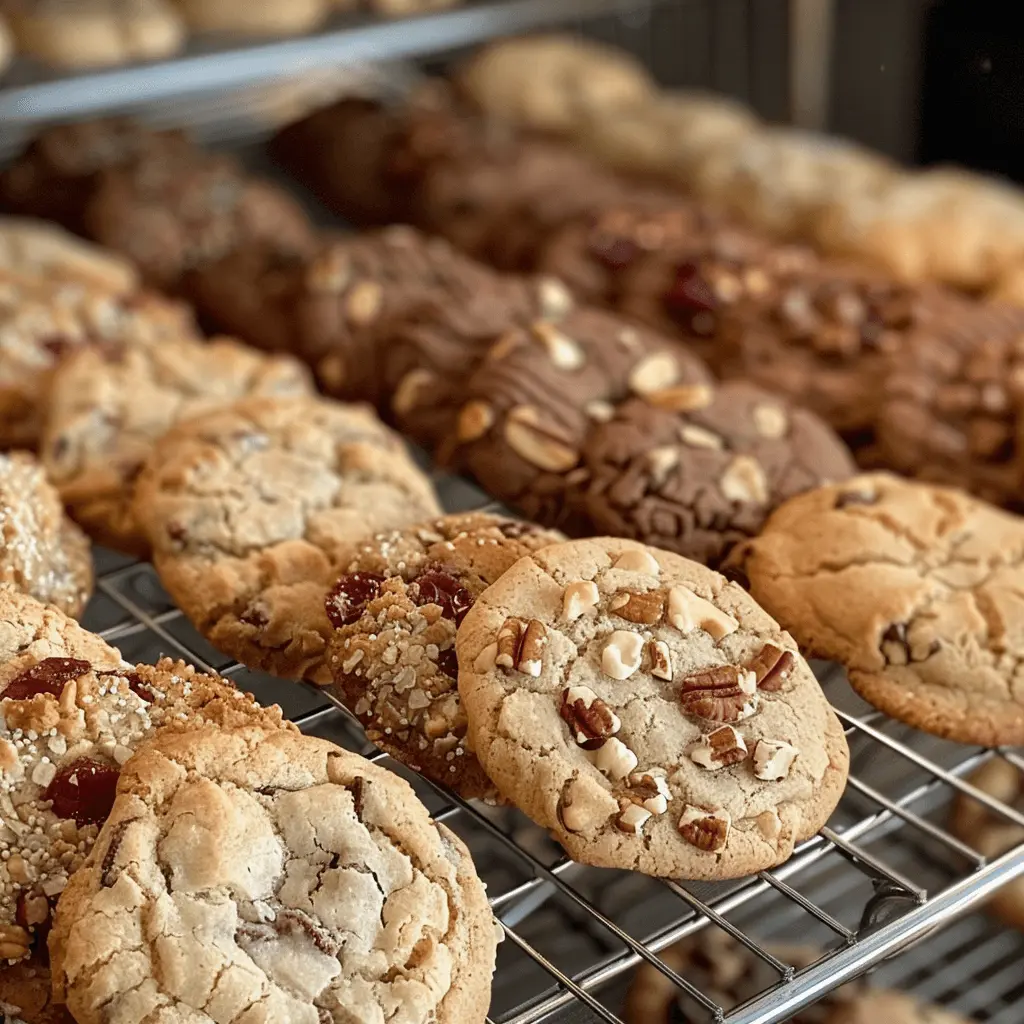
x,y
351,594
46,676
690,292
83,790
443,589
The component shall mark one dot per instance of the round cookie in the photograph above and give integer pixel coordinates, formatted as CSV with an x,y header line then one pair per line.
x,y
109,405
914,588
292,879
991,834
395,613
43,553
647,712
893,1008
253,512
696,469
538,392
253,17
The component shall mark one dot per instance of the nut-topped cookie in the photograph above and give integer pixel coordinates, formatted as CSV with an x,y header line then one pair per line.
x,y
647,712
288,880
252,512
396,611
914,588
696,469
540,390
109,405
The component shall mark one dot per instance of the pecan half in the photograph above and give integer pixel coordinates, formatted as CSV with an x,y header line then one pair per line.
x,y
719,749
724,693
590,720
772,666
707,830
645,607
521,646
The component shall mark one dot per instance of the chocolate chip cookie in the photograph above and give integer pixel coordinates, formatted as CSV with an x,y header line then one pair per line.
x,y
289,879
539,391
395,613
647,712
109,405
252,513
914,588
694,469
43,553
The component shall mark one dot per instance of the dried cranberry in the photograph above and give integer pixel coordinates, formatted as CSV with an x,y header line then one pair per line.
x,y
351,594
83,790
46,676
690,293
139,688
448,663
439,587
614,251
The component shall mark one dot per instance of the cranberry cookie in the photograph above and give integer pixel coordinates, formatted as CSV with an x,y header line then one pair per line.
x,y
255,875
252,513
647,712
911,586
109,405
395,613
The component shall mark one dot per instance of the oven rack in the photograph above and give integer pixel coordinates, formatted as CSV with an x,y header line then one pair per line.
x,y
885,875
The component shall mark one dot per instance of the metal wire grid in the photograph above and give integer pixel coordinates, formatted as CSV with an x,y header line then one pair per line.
x,y
885,874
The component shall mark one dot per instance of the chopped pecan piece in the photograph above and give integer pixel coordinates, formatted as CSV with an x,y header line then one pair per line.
x,y
521,646
645,607
650,791
707,830
632,818
724,693
772,666
591,721
660,658
719,749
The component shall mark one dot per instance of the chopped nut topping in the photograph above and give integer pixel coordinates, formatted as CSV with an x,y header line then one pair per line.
x,y
632,819
645,606
744,481
410,390
660,658
661,462
724,693
475,419
719,749
622,654
580,598
699,437
564,353
637,560
684,398
707,830
614,759
773,759
771,421
894,646
521,646
650,790
588,717
772,666
687,611
654,372
539,446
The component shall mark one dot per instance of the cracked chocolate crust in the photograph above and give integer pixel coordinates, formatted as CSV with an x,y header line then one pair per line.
x,y
914,588
647,712
252,875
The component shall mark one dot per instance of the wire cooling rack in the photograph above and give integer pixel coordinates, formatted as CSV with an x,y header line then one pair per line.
x,y
884,874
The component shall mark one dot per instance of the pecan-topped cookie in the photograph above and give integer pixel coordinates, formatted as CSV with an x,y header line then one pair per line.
x,y
647,712
254,875
396,611
915,588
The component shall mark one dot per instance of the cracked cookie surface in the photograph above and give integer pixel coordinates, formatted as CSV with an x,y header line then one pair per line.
x,y
647,712
108,407
392,655
252,512
914,588
42,553
255,877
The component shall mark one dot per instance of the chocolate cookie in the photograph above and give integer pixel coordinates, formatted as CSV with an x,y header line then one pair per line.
x,y
287,879
539,391
109,405
713,761
395,613
42,553
913,588
253,511
696,469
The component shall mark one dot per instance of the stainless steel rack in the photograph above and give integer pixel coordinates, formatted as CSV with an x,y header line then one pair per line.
x,y
885,874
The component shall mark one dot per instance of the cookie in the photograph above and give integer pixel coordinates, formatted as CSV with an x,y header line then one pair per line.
x,y
293,880
6,43
95,33
252,512
36,248
718,756
697,469
950,405
912,587
395,613
991,834
539,391
169,218
44,318
43,553
109,405
893,1008
253,17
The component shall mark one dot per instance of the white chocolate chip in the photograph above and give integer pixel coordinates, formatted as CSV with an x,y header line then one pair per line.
x,y
599,411
661,462
773,759
744,481
622,654
564,353
687,611
661,660
555,299
580,598
632,819
698,437
486,659
771,421
654,372
637,560
613,758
